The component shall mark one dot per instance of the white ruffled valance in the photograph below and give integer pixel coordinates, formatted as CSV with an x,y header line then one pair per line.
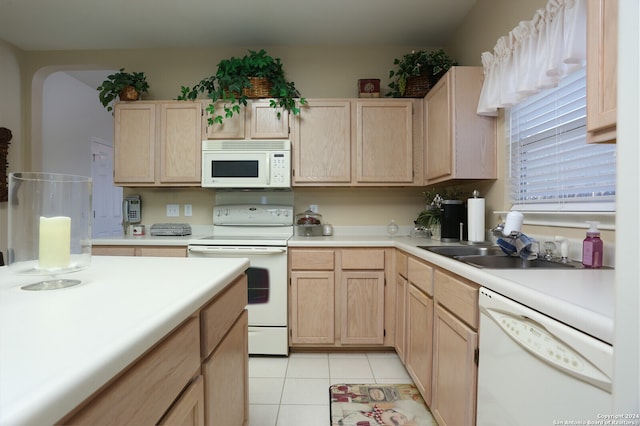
x,y
535,55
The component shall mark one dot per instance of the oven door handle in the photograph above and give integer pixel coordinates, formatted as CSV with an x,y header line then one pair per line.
x,y
238,251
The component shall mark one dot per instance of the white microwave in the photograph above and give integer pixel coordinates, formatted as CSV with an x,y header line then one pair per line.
x,y
250,163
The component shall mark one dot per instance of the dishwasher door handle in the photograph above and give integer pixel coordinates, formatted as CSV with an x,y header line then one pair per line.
x,y
238,251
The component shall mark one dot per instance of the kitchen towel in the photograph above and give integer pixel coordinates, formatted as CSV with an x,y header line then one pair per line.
x,y
475,219
519,244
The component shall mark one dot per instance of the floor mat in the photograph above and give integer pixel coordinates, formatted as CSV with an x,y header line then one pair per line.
x,y
378,405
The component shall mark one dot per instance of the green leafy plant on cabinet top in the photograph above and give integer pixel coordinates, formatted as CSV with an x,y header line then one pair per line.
x,y
119,84
432,64
235,82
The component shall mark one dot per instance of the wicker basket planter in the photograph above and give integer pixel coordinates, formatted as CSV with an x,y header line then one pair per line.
x,y
129,93
260,88
417,86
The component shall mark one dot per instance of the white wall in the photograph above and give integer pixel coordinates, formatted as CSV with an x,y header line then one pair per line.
x,y
626,389
72,114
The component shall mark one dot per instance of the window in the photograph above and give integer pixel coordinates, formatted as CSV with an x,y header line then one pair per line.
x,y
552,168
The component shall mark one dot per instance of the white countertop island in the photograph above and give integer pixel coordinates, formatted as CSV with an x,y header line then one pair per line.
x,y
57,347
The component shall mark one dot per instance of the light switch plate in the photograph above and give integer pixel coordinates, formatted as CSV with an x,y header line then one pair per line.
x,y
188,210
173,210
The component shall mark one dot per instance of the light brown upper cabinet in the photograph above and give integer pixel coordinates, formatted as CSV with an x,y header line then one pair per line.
x,y
602,68
321,137
358,142
384,141
459,144
258,120
157,143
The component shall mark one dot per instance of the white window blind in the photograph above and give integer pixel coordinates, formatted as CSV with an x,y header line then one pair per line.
x,y
552,166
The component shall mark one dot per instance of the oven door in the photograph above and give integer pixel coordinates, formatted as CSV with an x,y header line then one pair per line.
x,y
235,169
266,276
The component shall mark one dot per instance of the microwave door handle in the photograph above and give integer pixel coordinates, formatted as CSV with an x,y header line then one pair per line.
x,y
268,169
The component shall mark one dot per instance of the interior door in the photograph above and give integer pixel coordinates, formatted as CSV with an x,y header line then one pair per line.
x,y
106,198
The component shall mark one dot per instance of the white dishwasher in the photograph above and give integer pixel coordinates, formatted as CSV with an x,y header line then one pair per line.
x,y
534,370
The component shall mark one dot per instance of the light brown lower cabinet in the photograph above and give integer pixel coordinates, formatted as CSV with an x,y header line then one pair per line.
x,y
455,346
339,297
419,340
225,378
188,410
312,310
126,250
170,384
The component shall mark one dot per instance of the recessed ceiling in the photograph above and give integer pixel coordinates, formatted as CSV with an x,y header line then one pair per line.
x,y
143,24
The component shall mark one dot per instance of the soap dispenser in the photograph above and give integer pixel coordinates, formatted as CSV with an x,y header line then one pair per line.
x,y
592,247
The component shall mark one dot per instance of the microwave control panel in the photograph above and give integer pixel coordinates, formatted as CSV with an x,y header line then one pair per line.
x,y
280,169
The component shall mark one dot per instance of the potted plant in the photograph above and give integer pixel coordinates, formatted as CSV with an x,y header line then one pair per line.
x,y
430,217
417,72
255,75
126,86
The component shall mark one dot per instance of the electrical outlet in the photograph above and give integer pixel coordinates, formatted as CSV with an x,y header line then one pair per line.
x,y
188,210
313,208
173,210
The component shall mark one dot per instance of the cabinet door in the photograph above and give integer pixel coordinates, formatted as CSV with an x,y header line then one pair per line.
x,y
362,307
134,143
226,378
321,137
180,143
419,355
602,69
438,161
188,410
312,312
459,144
265,124
231,128
401,317
384,141
455,371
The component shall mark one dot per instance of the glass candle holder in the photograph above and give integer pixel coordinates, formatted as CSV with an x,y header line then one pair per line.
x,y
49,223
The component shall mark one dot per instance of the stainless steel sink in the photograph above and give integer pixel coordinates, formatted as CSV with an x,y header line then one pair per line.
x,y
453,251
492,257
514,262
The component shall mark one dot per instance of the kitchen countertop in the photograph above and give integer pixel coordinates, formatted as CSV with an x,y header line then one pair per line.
x,y
583,299
57,347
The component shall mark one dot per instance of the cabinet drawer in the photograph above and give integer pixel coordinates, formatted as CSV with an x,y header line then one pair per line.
x,y
162,251
421,275
219,315
401,263
315,260
142,394
113,251
458,296
363,259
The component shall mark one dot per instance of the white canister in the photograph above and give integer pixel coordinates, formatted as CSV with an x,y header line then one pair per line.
x,y
327,230
513,223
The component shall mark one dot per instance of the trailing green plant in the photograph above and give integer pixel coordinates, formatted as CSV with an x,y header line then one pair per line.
x,y
233,75
115,83
416,63
431,215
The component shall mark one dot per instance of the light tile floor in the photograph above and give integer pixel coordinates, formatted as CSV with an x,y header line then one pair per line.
x,y
295,390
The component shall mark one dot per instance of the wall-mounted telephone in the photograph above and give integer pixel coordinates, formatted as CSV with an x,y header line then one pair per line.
x,y
131,209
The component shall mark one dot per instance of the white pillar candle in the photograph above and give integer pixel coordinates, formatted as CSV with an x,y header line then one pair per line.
x,y
55,242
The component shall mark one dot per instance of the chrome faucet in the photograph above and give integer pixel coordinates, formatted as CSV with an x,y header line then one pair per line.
x,y
498,230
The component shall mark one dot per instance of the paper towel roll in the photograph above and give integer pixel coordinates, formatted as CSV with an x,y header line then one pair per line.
x,y
475,219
